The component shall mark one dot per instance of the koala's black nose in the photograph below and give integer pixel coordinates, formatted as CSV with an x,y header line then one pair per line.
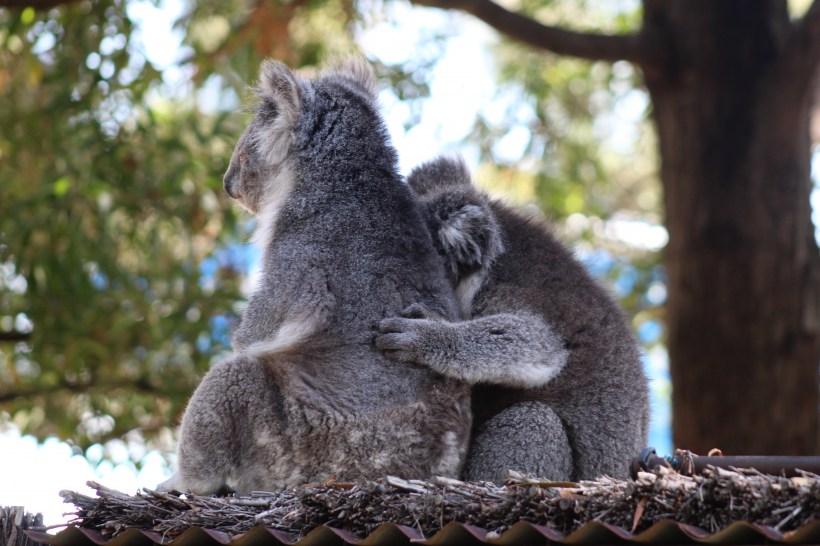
x,y
229,182
228,189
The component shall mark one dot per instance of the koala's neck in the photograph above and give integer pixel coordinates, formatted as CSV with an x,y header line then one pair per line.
x,y
316,193
281,186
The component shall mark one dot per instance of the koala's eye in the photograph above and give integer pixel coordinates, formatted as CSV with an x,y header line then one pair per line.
x,y
242,156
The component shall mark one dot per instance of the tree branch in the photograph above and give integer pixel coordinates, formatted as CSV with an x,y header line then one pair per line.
x,y
811,20
36,4
143,387
14,336
11,395
628,47
802,51
806,37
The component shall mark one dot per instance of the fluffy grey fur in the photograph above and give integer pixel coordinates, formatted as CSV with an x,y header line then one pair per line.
x,y
307,396
559,388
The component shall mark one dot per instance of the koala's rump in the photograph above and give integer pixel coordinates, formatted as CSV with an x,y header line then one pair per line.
x,y
393,422
249,429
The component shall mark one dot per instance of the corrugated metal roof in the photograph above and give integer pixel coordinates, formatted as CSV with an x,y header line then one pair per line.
x,y
454,534
717,496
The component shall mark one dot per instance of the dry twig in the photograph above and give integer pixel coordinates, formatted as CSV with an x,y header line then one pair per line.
x,y
712,501
13,521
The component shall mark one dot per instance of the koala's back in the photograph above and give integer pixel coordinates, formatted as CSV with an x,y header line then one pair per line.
x,y
363,269
343,246
349,240
601,394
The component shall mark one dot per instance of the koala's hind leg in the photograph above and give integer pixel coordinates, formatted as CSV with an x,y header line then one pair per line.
x,y
232,433
607,424
527,437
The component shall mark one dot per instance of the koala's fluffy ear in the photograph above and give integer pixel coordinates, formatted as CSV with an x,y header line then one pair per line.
x,y
468,232
278,84
441,173
464,227
354,69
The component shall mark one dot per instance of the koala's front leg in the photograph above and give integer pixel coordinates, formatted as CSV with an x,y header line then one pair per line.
x,y
511,349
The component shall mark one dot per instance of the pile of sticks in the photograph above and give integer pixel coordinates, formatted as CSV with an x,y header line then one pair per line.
x,y
13,521
711,500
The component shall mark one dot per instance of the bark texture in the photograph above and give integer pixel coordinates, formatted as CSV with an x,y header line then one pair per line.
x,y
732,111
732,84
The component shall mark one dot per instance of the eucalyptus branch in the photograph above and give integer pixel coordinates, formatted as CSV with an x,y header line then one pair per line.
x,y
14,336
36,4
801,55
628,47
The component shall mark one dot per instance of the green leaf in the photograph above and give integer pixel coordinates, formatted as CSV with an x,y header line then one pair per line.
x,y
27,16
61,186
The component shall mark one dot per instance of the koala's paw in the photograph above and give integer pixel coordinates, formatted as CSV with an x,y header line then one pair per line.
x,y
170,485
400,338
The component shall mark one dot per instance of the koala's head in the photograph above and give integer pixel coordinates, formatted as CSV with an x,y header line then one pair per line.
x,y
460,218
263,171
259,166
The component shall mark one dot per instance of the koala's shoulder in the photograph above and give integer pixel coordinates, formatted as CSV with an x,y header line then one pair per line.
x,y
539,272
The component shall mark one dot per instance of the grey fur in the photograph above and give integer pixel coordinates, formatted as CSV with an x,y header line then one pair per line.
x,y
501,439
307,396
556,369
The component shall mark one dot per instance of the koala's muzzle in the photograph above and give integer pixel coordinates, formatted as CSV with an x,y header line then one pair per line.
x,y
231,179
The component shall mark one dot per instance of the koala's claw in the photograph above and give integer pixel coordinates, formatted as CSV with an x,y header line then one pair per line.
x,y
393,325
398,356
404,339
394,341
420,311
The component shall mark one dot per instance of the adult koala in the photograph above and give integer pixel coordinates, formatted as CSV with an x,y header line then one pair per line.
x,y
559,388
306,395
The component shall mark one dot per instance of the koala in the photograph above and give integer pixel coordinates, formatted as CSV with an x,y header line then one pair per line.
x,y
306,395
558,384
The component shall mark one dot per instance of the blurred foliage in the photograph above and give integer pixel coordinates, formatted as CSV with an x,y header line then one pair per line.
x,y
590,158
122,263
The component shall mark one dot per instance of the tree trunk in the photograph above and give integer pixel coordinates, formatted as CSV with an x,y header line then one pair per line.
x,y
732,111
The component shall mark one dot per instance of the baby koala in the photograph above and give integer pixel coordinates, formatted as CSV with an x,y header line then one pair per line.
x,y
558,384
306,395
